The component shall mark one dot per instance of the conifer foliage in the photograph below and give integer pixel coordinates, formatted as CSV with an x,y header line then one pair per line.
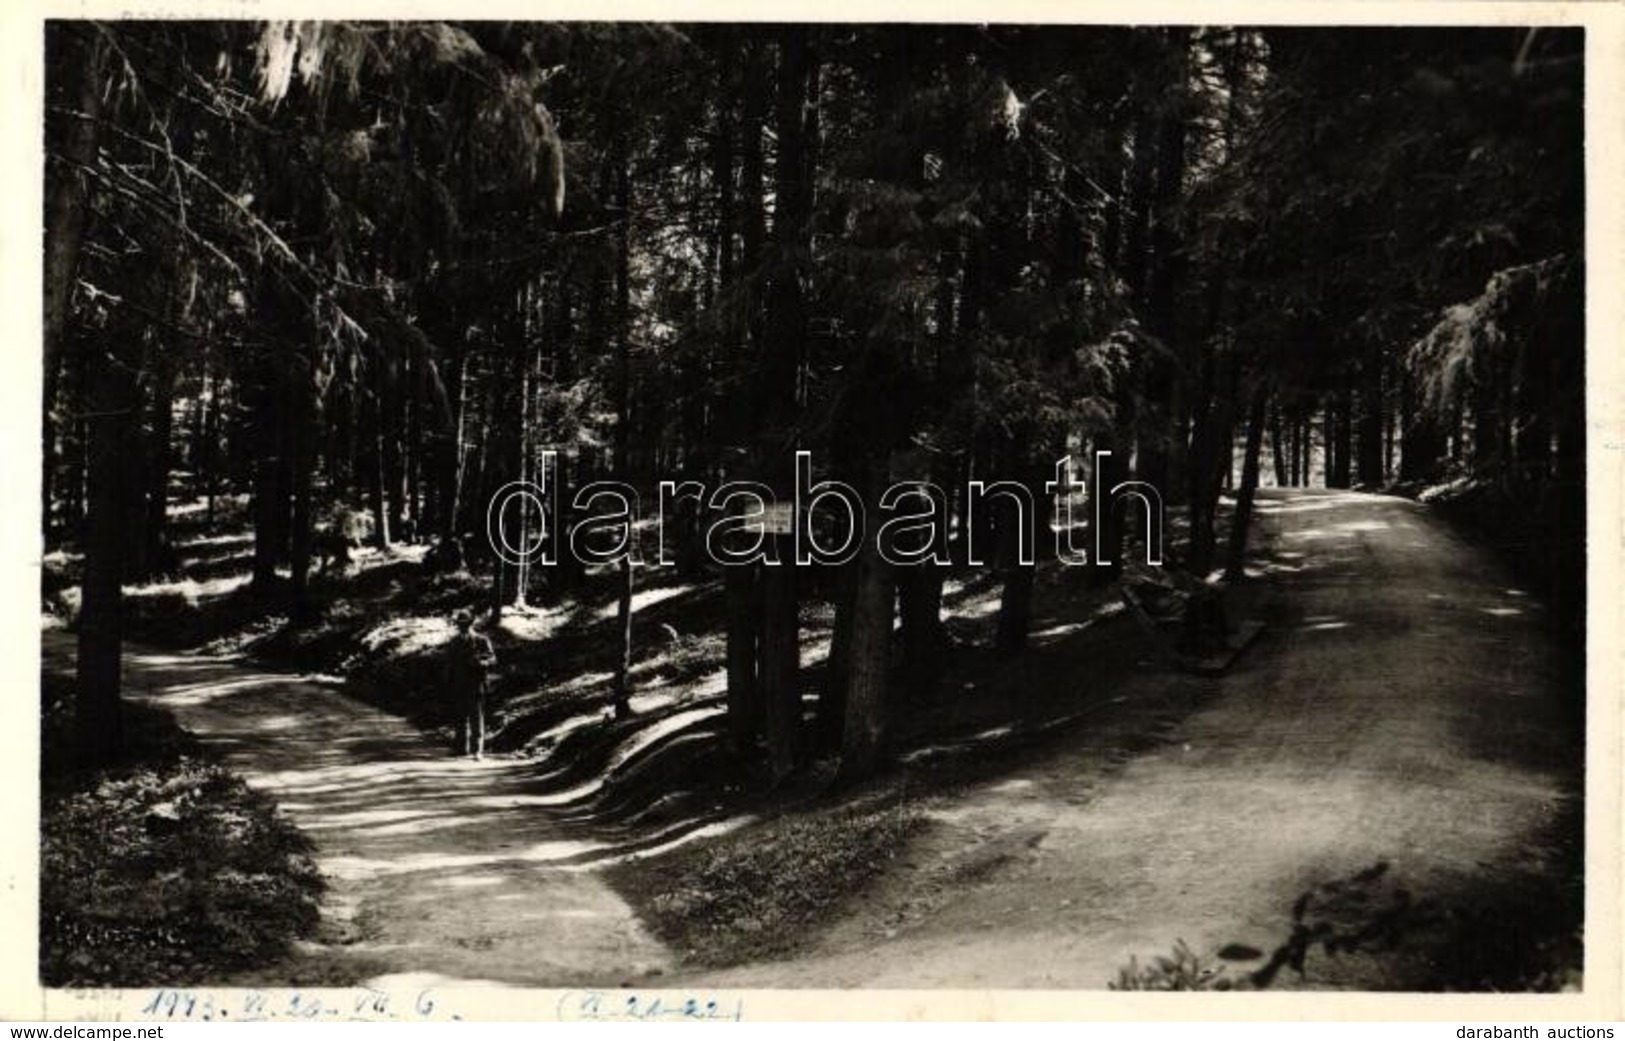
x,y
355,277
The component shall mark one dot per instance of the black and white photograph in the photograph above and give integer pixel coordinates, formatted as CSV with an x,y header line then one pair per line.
x,y
637,508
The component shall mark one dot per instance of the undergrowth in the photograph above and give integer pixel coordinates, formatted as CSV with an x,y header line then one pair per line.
x,y
769,889
163,868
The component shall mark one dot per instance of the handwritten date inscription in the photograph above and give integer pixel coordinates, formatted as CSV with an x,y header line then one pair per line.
x,y
255,1006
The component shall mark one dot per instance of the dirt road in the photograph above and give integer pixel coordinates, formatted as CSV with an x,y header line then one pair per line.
x,y
1401,711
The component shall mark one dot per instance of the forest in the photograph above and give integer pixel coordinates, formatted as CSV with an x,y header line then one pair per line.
x,y
315,292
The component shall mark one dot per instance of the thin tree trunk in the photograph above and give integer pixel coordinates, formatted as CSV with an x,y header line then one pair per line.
x,y
1294,451
1389,439
452,500
1328,437
74,435
412,458
1203,467
154,532
302,449
209,448
623,409
270,502
391,412
519,593
1307,434
379,469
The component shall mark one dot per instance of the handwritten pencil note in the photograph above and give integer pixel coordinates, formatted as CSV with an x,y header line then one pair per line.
x,y
368,1005
631,1006
362,1005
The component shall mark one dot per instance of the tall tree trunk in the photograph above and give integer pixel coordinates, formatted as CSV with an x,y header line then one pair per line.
x,y
919,586
780,362
138,463
919,598
780,674
1343,445
74,393
1307,450
1369,438
1015,609
868,661
1203,467
1159,453
84,62
516,591
1307,439
1016,599
101,623
1235,569
744,344
742,594
1278,449
831,720
1141,179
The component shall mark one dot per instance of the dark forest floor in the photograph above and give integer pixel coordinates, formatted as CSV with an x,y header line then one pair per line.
x,y
162,866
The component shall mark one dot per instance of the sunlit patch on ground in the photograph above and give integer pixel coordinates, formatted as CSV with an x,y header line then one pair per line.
x,y
193,591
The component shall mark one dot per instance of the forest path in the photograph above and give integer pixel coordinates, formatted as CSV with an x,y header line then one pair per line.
x,y
1403,708
441,869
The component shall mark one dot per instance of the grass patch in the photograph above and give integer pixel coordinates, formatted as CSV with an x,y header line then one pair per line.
x,y
164,867
770,889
